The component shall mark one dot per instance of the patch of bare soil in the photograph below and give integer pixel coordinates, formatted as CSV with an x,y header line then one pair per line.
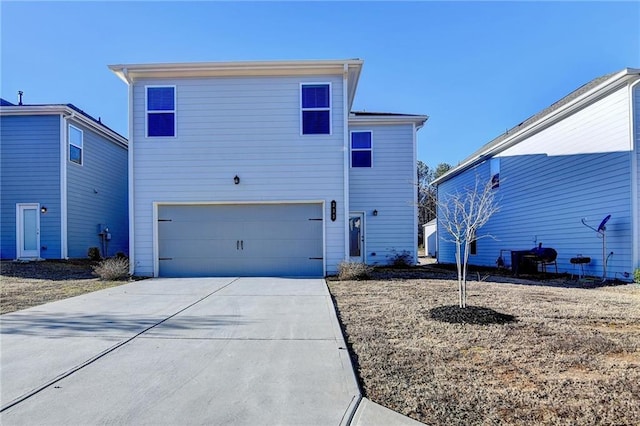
x,y
27,284
531,353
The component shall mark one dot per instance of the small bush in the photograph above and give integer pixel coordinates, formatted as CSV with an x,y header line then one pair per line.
x,y
404,259
94,253
353,271
112,269
636,275
121,255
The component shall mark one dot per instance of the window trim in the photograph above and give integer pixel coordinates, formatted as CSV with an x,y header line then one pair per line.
x,y
147,112
70,144
351,149
330,108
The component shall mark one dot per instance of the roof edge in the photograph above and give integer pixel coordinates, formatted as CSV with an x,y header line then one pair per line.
x,y
492,148
69,110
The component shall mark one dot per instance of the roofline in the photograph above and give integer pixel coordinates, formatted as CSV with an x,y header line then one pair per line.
x,y
69,113
489,150
350,68
418,120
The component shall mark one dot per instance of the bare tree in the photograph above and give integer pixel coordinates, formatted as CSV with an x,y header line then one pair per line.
x,y
461,215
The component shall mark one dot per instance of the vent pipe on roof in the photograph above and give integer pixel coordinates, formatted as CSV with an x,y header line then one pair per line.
x,y
19,97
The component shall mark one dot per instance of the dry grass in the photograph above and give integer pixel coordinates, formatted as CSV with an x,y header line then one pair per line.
x,y
572,355
23,285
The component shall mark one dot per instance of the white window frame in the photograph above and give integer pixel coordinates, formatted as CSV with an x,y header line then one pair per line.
x,y
166,111
360,149
70,144
330,108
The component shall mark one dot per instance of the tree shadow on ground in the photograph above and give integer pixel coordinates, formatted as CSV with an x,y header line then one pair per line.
x,y
479,315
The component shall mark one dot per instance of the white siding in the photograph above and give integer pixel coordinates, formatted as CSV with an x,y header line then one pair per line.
x,y
387,187
248,127
577,168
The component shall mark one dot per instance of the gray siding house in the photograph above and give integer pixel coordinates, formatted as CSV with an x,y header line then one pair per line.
x,y
63,183
576,161
261,168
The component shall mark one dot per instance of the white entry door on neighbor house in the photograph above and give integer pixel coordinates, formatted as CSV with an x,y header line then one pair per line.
x,y
356,237
28,230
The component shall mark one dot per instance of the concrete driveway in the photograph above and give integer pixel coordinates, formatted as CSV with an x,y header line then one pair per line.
x,y
180,351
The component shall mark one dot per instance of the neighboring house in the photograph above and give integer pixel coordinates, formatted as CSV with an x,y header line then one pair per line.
x,y
63,183
577,159
260,168
429,230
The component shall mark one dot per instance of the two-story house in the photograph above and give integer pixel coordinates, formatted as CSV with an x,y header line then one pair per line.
x,y
567,177
261,168
63,183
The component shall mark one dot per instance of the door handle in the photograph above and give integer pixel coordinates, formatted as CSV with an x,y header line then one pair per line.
x,y
241,244
237,244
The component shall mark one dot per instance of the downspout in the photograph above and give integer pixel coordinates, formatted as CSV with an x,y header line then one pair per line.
x,y
635,219
345,167
415,196
130,185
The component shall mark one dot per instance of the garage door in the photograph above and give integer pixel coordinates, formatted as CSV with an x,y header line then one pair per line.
x,y
240,240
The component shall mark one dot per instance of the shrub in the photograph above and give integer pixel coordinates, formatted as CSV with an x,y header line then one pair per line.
x,y
353,271
94,253
112,269
401,260
121,255
636,275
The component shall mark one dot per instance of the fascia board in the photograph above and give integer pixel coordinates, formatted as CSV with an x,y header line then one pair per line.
x,y
593,95
68,112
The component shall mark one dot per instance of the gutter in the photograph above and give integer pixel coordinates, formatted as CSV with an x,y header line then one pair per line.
x,y
580,102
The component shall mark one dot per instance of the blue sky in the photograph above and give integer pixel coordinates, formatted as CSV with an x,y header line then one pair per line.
x,y
476,68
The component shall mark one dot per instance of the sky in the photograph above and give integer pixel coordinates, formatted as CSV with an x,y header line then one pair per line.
x,y
475,68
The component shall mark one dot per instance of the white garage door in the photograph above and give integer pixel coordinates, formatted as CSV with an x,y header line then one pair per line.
x,y
240,240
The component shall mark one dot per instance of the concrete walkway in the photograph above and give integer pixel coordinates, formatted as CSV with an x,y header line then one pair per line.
x,y
248,351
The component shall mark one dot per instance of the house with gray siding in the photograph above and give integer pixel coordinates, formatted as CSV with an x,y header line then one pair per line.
x,y
261,168
63,183
558,175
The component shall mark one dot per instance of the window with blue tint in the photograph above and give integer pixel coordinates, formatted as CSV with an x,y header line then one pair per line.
x,y
161,111
361,149
75,144
316,109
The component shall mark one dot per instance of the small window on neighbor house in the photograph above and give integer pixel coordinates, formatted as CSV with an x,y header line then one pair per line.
x,y
495,172
315,105
473,246
75,144
361,149
161,111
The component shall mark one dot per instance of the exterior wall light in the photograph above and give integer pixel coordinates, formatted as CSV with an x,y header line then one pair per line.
x,y
375,212
43,209
236,179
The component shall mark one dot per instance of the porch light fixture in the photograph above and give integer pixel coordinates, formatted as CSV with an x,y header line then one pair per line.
x,y
236,179
43,209
375,212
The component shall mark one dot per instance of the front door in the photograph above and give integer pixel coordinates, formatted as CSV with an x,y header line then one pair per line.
x,y
28,231
356,237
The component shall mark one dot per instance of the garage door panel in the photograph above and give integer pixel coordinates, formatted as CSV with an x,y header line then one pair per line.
x,y
241,240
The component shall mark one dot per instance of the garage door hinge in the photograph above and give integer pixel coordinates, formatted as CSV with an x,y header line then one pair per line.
x,y
316,258
317,219
164,220
165,258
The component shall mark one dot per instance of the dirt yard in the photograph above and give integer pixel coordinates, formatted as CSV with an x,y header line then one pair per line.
x,y
563,355
23,285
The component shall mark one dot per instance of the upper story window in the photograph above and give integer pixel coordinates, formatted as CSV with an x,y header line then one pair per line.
x,y
75,144
161,111
315,105
361,149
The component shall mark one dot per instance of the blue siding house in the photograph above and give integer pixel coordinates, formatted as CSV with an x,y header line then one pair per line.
x,y
572,164
262,168
63,183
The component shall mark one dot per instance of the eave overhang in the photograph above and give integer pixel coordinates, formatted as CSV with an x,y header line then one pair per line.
x,y
129,73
